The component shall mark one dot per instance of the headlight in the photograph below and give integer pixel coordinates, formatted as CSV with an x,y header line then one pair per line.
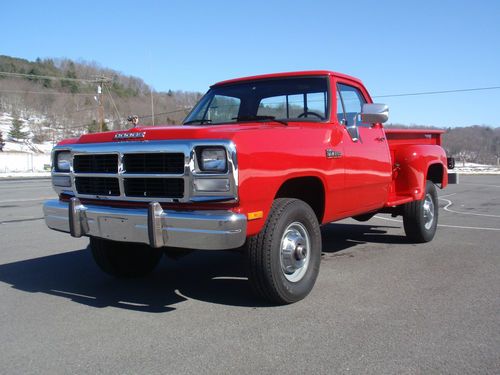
x,y
63,161
213,160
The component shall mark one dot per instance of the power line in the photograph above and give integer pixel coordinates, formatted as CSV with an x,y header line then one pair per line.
x,y
165,113
105,79
437,92
44,93
89,124
378,96
82,109
72,127
53,78
156,114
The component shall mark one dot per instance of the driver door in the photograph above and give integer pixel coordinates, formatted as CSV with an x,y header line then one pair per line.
x,y
368,171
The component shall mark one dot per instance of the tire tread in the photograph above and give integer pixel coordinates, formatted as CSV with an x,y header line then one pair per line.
x,y
413,218
260,254
123,259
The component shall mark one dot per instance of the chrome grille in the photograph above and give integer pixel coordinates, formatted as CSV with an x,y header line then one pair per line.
x,y
97,186
99,163
154,187
167,163
170,168
133,163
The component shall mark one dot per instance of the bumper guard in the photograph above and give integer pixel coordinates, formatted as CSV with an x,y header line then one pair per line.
x,y
204,230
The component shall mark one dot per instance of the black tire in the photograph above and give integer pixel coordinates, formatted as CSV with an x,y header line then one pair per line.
x,y
124,259
418,224
266,259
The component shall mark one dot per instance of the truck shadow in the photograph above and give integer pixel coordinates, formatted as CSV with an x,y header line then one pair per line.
x,y
214,277
339,236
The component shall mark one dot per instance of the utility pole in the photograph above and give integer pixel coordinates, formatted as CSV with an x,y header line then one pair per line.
x,y
100,106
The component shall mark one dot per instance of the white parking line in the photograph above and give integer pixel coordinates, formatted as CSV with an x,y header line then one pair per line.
x,y
446,208
470,183
441,225
447,195
461,227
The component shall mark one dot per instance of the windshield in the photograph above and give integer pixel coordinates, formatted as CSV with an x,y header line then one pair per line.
x,y
283,100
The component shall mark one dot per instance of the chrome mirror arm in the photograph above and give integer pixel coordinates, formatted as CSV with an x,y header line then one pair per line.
x,y
353,129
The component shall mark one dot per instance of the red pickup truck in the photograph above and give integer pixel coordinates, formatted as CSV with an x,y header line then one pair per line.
x,y
259,164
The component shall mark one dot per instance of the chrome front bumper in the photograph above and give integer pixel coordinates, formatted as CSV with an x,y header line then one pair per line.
x,y
204,230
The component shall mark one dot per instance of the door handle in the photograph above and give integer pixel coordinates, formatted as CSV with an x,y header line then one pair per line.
x,y
380,139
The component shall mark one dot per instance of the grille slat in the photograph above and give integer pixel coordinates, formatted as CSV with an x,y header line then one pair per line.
x,y
154,187
100,163
97,186
135,163
169,163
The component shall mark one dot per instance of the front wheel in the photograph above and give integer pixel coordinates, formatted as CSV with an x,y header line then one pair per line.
x,y
124,259
284,257
420,217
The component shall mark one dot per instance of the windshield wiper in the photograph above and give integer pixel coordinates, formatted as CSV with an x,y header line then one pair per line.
x,y
259,118
200,121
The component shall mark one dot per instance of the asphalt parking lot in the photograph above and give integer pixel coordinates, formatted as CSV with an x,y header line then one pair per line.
x,y
381,305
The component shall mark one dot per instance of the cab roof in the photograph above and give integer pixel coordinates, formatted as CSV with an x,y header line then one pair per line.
x,y
288,74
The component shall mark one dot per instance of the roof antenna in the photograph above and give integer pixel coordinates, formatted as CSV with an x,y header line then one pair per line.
x,y
151,89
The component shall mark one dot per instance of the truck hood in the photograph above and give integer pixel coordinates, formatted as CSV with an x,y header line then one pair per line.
x,y
174,132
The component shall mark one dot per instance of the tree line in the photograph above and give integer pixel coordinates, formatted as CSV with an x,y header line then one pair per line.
x,y
476,143
64,93
67,104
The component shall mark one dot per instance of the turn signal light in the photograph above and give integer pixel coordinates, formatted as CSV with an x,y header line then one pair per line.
x,y
255,215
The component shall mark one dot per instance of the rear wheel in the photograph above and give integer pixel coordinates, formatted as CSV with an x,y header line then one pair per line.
x,y
284,257
124,259
420,217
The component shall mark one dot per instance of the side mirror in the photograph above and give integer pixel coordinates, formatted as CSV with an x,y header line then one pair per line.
x,y
375,113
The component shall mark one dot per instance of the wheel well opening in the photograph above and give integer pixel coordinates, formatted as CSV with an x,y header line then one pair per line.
x,y
435,173
307,189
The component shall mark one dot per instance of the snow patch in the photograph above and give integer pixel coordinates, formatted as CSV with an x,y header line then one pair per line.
x,y
21,162
473,168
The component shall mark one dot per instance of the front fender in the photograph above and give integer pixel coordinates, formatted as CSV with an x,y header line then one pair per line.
x,y
258,192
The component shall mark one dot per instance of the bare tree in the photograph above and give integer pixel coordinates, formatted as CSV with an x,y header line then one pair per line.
x,y
2,143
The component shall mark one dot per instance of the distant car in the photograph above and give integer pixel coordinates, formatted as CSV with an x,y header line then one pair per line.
x,y
259,164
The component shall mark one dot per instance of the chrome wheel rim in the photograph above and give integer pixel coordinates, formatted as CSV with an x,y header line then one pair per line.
x,y
295,250
428,212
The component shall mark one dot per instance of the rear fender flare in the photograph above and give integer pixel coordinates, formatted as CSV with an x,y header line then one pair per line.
x,y
416,163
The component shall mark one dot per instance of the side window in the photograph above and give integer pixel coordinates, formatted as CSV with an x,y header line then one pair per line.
x,y
340,109
353,101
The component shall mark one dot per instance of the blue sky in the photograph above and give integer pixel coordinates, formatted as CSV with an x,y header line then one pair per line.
x,y
393,46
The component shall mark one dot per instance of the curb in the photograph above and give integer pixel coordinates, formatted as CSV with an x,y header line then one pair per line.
x,y
20,178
